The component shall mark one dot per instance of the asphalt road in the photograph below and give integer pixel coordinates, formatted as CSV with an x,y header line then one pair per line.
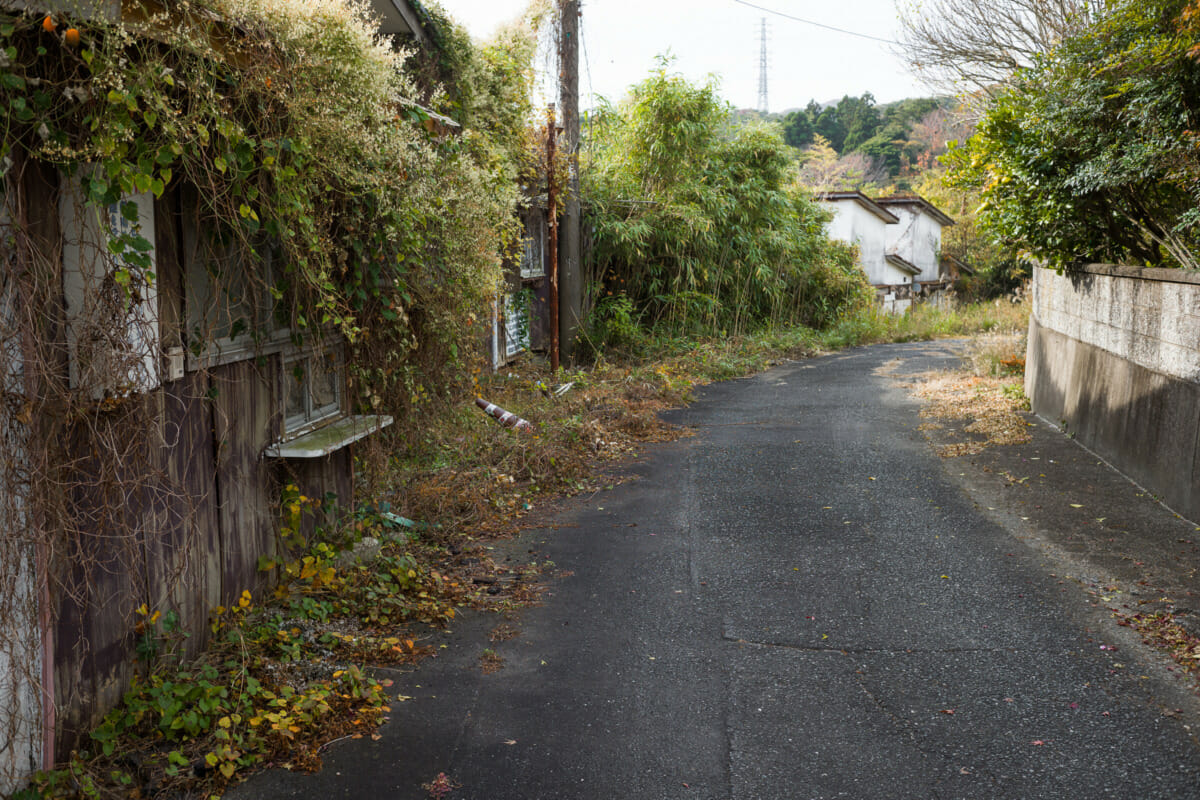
x,y
800,601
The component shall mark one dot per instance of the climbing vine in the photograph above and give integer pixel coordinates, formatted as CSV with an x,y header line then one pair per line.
x,y
332,184
300,129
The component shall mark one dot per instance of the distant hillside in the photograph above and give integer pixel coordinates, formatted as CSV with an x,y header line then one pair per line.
x,y
896,139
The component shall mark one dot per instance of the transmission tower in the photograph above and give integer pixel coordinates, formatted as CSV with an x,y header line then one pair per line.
x,y
762,70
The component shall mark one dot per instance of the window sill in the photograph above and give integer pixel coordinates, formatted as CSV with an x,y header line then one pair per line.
x,y
328,438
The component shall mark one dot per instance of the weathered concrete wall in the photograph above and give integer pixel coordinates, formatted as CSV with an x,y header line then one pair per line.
x,y
1114,356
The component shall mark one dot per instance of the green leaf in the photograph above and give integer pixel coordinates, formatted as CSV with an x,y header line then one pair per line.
x,y
97,188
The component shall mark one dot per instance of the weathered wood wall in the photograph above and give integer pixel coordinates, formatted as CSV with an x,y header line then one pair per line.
x,y
170,501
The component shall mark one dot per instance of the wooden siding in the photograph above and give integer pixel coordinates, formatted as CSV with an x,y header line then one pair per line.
x,y
179,520
245,421
320,477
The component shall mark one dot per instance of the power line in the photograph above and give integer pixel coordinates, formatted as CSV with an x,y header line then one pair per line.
x,y
817,24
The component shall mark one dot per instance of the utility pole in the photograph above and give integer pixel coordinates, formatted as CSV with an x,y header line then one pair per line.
x,y
570,241
762,70
552,214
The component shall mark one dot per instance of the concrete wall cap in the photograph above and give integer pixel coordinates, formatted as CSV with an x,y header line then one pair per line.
x,y
1161,274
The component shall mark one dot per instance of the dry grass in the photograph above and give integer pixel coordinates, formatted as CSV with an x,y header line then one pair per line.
x,y
990,394
989,403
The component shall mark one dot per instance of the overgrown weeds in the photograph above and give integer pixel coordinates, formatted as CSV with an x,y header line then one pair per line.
x,y
280,680
925,322
989,392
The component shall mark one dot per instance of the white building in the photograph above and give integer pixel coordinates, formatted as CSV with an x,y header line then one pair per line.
x,y
917,237
899,242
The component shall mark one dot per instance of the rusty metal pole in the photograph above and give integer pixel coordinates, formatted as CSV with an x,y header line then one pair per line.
x,y
552,213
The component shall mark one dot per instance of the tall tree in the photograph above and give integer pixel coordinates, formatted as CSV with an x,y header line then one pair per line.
x,y
976,45
1091,155
830,125
699,225
860,118
798,129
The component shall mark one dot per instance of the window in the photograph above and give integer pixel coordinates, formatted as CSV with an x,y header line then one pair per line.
x,y
516,323
112,301
533,262
312,389
229,307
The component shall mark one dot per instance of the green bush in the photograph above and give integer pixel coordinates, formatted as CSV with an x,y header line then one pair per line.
x,y
701,224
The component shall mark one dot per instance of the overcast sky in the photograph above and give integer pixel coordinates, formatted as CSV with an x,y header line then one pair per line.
x,y
622,37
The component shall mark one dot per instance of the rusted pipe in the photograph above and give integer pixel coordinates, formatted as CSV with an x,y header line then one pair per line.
x,y
506,418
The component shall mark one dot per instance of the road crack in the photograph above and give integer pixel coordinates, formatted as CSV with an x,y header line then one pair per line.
x,y
803,648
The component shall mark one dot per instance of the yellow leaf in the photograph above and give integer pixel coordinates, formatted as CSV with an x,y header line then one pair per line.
x,y
227,769
224,722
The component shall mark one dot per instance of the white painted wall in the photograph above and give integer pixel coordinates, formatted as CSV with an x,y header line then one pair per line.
x,y
856,225
917,239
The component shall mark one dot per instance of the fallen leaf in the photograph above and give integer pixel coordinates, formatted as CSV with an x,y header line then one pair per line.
x,y
1076,505
510,741
947,711
1038,742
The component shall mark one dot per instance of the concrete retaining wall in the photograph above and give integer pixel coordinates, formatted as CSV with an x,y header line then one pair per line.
x,y
1114,356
